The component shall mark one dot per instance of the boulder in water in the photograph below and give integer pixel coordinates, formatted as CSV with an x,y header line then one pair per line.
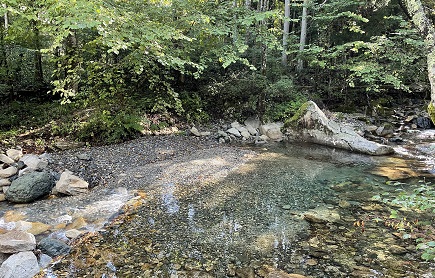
x,y
310,124
30,187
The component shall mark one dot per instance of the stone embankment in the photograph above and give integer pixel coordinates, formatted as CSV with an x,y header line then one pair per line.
x,y
25,178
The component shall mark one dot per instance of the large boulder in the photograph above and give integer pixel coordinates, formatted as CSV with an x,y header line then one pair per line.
x,y
21,265
30,187
310,124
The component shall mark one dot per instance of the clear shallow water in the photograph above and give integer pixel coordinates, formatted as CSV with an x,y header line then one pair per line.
x,y
251,224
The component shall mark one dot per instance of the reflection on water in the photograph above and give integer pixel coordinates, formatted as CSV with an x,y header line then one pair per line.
x,y
251,224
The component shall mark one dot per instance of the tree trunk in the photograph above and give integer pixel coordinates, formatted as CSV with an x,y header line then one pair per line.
x,y
417,13
39,75
303,37
286,31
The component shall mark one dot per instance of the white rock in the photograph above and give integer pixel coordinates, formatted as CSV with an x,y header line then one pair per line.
x,y
8,172
34,162
5,188
251,130
234,131
5,182
222,133
235,124
17,241
254,122
195,131
272,130
6,159
205,133
14,154
21,265
70,184
245,134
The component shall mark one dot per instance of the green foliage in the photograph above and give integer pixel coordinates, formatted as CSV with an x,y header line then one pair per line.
x,y
283,100
108,127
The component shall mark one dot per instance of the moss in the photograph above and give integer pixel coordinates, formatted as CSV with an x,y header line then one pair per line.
x,y
293,121
431,111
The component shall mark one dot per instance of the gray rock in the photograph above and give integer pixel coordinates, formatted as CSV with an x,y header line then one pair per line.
x,y
30,187
17,241
2,197
254,122
14,154
5,182
422,122
6,159
235,125
34,162
195,131
272,131
21,265
70,184
222,133
44,260
53,247
311,125
234,131
8,172
84,156
253,131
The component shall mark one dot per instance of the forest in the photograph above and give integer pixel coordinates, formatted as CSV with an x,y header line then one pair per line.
x,y
103,71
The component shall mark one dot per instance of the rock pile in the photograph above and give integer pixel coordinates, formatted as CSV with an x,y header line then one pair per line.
x,y
25,178
251,131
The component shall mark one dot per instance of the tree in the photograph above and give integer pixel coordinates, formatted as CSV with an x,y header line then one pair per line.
x,y
417,13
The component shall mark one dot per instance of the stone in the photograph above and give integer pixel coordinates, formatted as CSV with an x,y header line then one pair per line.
x,y
253,131
17,241
80,222
73,233
5,182
235,125
422,122
70,184
44,260
6,159
272,131
8,172
253,122
195,131
21,265
84,156
397,250
35,228
14,154
34,162
310,124
30,187
2,197
321,215
53,247
234,131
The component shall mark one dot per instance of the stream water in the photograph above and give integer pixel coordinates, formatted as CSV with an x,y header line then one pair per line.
x,y
292,210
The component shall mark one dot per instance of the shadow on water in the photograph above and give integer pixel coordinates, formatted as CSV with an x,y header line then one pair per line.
x,y
292,209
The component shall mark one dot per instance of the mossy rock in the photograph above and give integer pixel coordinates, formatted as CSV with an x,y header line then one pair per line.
x,y
293,121
431,111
